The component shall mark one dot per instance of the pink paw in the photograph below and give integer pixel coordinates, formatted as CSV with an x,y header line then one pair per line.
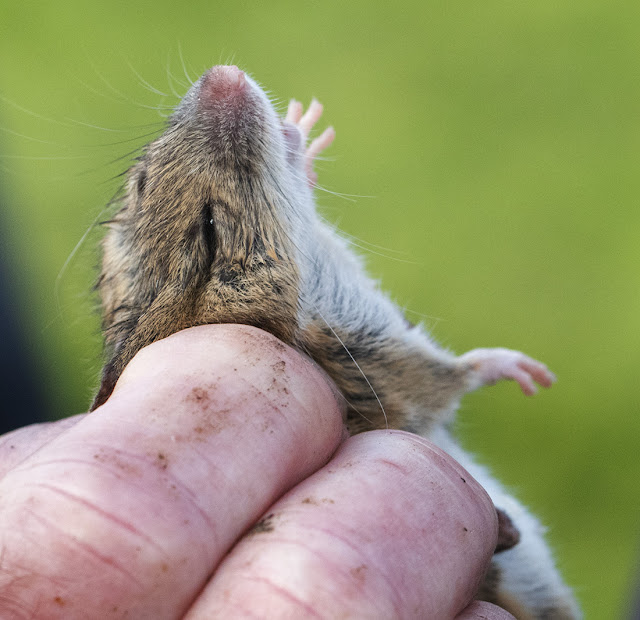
x,y
493,365
305,122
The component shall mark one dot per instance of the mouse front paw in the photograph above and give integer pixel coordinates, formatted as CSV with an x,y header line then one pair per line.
x,y
492,365
305,122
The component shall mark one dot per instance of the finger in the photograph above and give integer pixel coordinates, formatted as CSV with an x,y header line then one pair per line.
x,y
294,112
128,512
479,610
310,117
23,442
391,528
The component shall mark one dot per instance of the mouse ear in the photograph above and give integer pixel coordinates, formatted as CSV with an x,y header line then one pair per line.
x,y
108,382
508,533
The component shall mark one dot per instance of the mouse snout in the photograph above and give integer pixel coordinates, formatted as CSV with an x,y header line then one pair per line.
x,y
223,84
229,115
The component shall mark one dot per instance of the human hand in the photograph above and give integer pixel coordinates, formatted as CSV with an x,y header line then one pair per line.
x,y
218,481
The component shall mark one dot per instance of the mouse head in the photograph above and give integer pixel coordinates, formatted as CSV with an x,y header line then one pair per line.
x,y
208,224
227,133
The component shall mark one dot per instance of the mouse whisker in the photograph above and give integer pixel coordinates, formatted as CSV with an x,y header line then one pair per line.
x,y
184,67
122,98
171,78
30,138
353,359
142,81
20,108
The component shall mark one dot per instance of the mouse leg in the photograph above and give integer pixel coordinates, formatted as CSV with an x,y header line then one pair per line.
x,y
493,365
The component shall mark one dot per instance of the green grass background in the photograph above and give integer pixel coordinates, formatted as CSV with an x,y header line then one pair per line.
x,y
495,147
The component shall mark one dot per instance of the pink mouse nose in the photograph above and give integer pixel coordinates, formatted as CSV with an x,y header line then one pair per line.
x,y
223,82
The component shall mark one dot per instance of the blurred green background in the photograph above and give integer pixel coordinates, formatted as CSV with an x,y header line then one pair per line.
x,y
494,147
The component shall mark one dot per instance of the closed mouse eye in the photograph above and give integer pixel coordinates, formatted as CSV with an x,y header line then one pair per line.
x,y
199,247
208,233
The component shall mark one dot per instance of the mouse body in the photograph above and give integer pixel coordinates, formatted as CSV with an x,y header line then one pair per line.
x,y
217,224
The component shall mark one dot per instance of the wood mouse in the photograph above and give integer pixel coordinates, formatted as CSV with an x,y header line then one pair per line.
x,y
217,224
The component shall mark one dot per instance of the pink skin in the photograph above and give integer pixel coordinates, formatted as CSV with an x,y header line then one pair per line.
x,y
479,610
222,83
493,365
139,509
345,546
305,123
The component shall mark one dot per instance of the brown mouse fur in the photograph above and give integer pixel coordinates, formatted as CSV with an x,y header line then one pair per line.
x,y
217,224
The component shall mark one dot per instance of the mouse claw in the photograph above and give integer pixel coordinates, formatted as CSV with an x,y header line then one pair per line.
x,y
493,365
320,143
310,117
305,121
294,112
316,147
